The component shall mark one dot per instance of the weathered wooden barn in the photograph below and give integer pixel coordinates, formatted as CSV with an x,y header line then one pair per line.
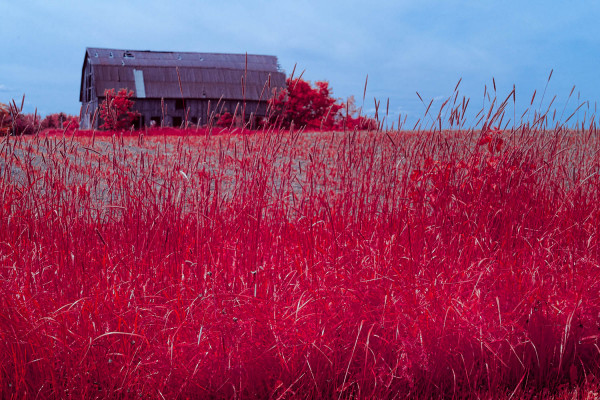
x,y
172,88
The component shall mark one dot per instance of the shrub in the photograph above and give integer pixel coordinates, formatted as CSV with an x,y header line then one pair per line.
x,y
359,122
13,121
117,110
224,120
5,119
60,121
26,124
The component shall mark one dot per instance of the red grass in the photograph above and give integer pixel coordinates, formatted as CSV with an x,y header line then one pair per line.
x,y
277,265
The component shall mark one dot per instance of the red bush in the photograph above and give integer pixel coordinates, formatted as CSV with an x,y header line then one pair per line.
x,y
26,124
116,110
360,123
5,119
60,121
13,121
224,120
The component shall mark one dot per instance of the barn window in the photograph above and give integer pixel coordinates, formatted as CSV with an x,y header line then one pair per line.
x,y
111,55
179,104
140,87
88,87
128,54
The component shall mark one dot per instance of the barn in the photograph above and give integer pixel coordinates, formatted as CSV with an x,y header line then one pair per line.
x,y
175,88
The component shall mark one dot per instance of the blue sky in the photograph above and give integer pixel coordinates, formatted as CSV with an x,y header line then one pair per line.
x,y
403,46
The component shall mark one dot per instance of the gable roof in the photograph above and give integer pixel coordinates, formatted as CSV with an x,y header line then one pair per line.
x,y
202,75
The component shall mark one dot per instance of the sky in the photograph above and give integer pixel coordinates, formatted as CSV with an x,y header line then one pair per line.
x,y
404,47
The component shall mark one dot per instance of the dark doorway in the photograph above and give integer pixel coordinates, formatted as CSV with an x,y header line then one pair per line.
x,y
139,122
155,122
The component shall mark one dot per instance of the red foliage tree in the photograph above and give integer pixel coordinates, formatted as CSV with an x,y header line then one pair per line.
x,y
117,110
305,106
302,105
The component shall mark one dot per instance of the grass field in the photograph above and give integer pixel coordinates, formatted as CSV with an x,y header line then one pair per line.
x,y
277,265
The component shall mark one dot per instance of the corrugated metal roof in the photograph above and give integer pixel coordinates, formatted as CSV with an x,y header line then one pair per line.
x,y
181,59
203,75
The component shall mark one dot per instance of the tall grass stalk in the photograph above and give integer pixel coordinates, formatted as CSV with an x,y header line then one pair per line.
x,y
421,264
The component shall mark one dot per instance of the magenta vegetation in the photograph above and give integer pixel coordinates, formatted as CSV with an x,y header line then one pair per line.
x,y
430,264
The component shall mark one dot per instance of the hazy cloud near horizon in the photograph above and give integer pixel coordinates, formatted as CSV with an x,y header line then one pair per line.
x,y
403,46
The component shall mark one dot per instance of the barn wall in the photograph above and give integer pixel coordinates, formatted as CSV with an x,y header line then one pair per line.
x,y
198,111
89,98
88,112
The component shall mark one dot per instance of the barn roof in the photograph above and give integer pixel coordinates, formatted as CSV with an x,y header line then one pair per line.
x,y
202,75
